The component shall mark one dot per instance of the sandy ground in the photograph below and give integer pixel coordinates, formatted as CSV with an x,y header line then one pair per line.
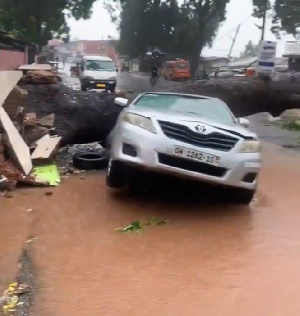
x,y
213,260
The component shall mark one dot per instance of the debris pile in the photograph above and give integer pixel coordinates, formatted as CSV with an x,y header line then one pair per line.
x,y
27,143
40,77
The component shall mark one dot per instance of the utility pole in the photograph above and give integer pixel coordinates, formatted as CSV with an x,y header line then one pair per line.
x,y
264,20
234,40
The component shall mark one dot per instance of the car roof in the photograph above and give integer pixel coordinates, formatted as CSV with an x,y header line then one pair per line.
x,y
180,95
97,57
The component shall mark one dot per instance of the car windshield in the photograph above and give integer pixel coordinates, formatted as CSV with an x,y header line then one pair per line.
x,y
213,109
182,65
100,65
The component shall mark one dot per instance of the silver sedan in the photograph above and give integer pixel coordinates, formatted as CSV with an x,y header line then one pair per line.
x,y
188,136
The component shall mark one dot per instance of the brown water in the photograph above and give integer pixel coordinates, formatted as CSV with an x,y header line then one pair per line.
x,y
209,260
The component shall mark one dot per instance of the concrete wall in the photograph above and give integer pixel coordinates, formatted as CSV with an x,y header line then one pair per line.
x,y
10,60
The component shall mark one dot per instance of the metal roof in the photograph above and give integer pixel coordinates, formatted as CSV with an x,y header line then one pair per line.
x,y
9,42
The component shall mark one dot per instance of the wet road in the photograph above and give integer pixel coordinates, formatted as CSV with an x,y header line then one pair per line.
x,y
213,260
125,81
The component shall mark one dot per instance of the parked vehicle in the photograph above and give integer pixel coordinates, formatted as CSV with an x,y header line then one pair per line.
x,y
98,72
74,71
227,73
178,69
188,136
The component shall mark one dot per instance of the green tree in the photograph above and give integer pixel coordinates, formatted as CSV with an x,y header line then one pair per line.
x,y
285,14
197,27
184,29
250,50
144,24
38,21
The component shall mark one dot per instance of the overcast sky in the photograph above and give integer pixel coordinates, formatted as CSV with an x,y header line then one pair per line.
x,y
238,11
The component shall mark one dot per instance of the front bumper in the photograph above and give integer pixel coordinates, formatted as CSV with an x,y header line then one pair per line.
x,y
99,84
154,152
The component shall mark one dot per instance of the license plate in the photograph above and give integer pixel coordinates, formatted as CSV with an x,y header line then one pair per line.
x,y
101,85
196,155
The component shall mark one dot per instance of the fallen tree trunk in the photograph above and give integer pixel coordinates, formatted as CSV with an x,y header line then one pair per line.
x,y
246,96
83,117
80,117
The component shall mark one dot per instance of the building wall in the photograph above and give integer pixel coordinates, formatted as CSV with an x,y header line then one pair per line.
x,y
10,60
101,47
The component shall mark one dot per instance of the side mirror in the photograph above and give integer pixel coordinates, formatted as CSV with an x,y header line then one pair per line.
x,y
243,122
121,101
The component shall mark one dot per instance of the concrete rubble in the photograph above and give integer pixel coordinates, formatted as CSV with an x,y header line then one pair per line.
x,y
26,141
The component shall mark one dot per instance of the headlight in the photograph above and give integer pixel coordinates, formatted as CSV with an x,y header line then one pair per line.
x,y
250,146
112,78
88,78
140,121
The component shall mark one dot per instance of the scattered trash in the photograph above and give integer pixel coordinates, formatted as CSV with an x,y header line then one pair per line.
x,y
30,210
137,226
134,227
28,241
10,299
49,193
48,173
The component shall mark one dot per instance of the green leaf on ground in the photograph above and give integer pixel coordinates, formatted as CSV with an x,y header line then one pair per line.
x,y
134,227
137,226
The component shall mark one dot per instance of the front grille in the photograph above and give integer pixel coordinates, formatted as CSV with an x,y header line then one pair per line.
x,y
190,165
184,134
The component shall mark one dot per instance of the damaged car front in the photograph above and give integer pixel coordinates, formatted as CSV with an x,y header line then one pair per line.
x,y
185,136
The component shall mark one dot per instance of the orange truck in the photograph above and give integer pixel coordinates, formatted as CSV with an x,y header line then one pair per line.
x,y
178,69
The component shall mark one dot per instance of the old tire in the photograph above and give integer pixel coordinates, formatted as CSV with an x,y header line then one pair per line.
x,y
90,161
115,175
242,196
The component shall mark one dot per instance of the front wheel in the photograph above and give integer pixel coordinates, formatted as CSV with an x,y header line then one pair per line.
x,y
83,87
115,175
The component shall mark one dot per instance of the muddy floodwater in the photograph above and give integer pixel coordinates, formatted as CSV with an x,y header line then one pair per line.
x,y
210,259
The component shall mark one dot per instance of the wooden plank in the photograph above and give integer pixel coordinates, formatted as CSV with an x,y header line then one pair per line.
x,y
46,149
8,79
19,151
42,139
47,121
35,67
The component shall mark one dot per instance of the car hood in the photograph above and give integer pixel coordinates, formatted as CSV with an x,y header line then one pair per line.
x,y
187,119
101,74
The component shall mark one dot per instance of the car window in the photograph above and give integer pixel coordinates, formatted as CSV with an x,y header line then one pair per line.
x,y
100,65
181,65
213,109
